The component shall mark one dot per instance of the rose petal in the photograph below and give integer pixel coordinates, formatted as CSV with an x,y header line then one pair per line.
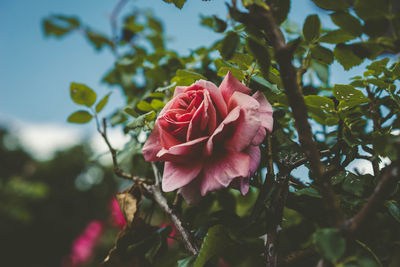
x,y
265,111
179,90
220,170
177,175
152,145
182,152
230,85
244,185
255,156
248,123
191,191
259,138
222,129
216,96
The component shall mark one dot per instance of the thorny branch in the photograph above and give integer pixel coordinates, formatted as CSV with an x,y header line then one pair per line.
x,y
153,190
284,57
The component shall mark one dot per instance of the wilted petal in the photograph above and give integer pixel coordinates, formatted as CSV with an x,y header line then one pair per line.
x,y
265,110
177,175
230,85
220,170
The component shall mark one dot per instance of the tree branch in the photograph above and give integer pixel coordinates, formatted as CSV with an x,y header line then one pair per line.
x,y
187,237
382,190
118,171
284,57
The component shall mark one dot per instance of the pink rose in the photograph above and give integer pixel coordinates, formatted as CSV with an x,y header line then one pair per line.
x,y
209,137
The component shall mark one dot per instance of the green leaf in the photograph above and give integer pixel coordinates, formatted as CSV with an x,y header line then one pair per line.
x,y
130,111
370,9
82,94
157,104
308,191
260,3
329,243
322,109
229,45
141,120
311,28
347,22
187,262
281,9
348,96
186,77
331,5
261,54
59,25
396,69
98,40
178,3
144,106
336,37
378,66
322,54
393,209
80,116
238,74
214,243
101,104
214,23
267,84
242,60
353,184
346,57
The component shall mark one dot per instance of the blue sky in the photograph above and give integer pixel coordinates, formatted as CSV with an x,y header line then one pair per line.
x,y
35,71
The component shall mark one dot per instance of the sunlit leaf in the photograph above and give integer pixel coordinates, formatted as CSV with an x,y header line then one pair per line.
x,y
101,104
80,116
82,94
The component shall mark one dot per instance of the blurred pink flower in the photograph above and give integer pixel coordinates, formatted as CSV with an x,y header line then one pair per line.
x,y
171,238
84,244
118,219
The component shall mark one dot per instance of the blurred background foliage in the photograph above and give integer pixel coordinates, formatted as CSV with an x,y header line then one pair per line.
x,y
46,205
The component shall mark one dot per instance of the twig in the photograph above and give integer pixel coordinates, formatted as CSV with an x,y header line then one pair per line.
x,y
118,171
380,193
275,215
153,190
187,237
284,57
376,125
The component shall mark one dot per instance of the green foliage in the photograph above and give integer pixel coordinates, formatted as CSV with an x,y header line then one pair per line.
x,y
261,54
80,116
331,5
329,243
214,243
229,45
82,95
60,25
311,28
178,3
